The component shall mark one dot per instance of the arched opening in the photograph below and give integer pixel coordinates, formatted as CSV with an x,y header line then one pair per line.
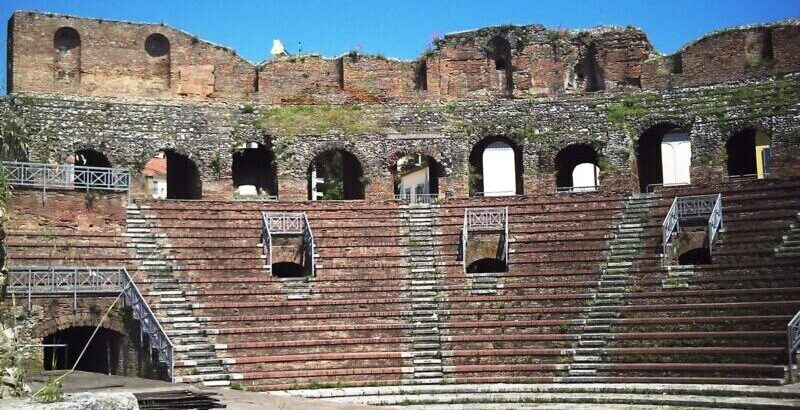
x,y
576,168
67,58
487,265
499,51
663,156
91,158
696,256
171,175
416,177
254,172
289,270
749,153
102,356
676,64
588,70
335,174
495,168
157,47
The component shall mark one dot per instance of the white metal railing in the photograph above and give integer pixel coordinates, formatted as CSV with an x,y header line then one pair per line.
x,y
60,280
692,208
66,176
745,177
484,220
288,223
793,342
414,198
575,189
494,194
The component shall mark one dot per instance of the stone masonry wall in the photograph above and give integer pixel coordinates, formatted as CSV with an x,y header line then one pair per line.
x,y
130,132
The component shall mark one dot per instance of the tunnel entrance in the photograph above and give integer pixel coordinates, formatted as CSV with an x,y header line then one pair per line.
x,y
91,158
416,178
487,265
576,168
749,153
254,172
495,168
62,349
289,270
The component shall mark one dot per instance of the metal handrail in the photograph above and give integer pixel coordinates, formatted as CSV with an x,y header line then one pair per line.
x,y
111,280
576,189
484,220
793,342
414,198
66,176
287,223
692,208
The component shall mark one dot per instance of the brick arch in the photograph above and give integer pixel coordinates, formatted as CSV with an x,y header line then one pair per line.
x,y
368,167
650,121
82,318
758,124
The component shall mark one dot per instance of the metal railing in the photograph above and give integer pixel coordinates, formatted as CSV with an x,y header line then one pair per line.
x,y
696,207
66,176
793,342
484,220
414,198
43,280
287,223
576,189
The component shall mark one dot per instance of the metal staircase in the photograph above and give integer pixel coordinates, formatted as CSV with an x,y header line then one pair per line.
x,y
192,344
426,337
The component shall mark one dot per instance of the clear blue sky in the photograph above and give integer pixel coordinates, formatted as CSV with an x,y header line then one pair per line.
x,y
403,28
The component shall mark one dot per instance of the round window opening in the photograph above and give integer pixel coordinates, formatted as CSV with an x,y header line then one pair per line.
x,y
156,45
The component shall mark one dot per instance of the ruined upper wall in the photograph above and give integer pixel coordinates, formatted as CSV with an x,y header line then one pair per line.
x,y
52,53
729,55
79,56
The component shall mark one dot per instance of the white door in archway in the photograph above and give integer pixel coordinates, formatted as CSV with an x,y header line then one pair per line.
x,y
676,158
499,170
584,177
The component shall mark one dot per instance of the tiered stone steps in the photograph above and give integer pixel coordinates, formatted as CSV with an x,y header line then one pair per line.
x,y
611,289
564,396
423,275
790,243
195,358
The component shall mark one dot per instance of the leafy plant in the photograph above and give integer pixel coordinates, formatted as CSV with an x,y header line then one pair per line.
x,y
15,137
51,392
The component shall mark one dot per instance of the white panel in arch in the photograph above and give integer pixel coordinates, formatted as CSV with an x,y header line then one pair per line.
x,y
499,170
676,158
584,176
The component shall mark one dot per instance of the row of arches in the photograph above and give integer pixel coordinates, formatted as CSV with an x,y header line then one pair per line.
x,y
663,156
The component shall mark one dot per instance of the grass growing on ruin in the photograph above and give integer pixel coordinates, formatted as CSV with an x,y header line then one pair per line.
x,y
317,120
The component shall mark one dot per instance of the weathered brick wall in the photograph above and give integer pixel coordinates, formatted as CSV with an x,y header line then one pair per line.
x,y
112,60
728,56
119,59
130,132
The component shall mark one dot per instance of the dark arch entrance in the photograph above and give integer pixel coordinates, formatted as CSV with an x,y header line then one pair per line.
x,y
289,270
697,256
749,153
91,158
487,265
339,176
102,355
476,169
648,154
254,165
183,177
570,157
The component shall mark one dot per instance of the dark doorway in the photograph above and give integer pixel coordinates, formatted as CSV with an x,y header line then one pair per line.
x,y
416,175
289,270
339,176
570,157
476,166
487,265
697,256
102,355
183,177
499,51
648,154
741,149
91,158
255,165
